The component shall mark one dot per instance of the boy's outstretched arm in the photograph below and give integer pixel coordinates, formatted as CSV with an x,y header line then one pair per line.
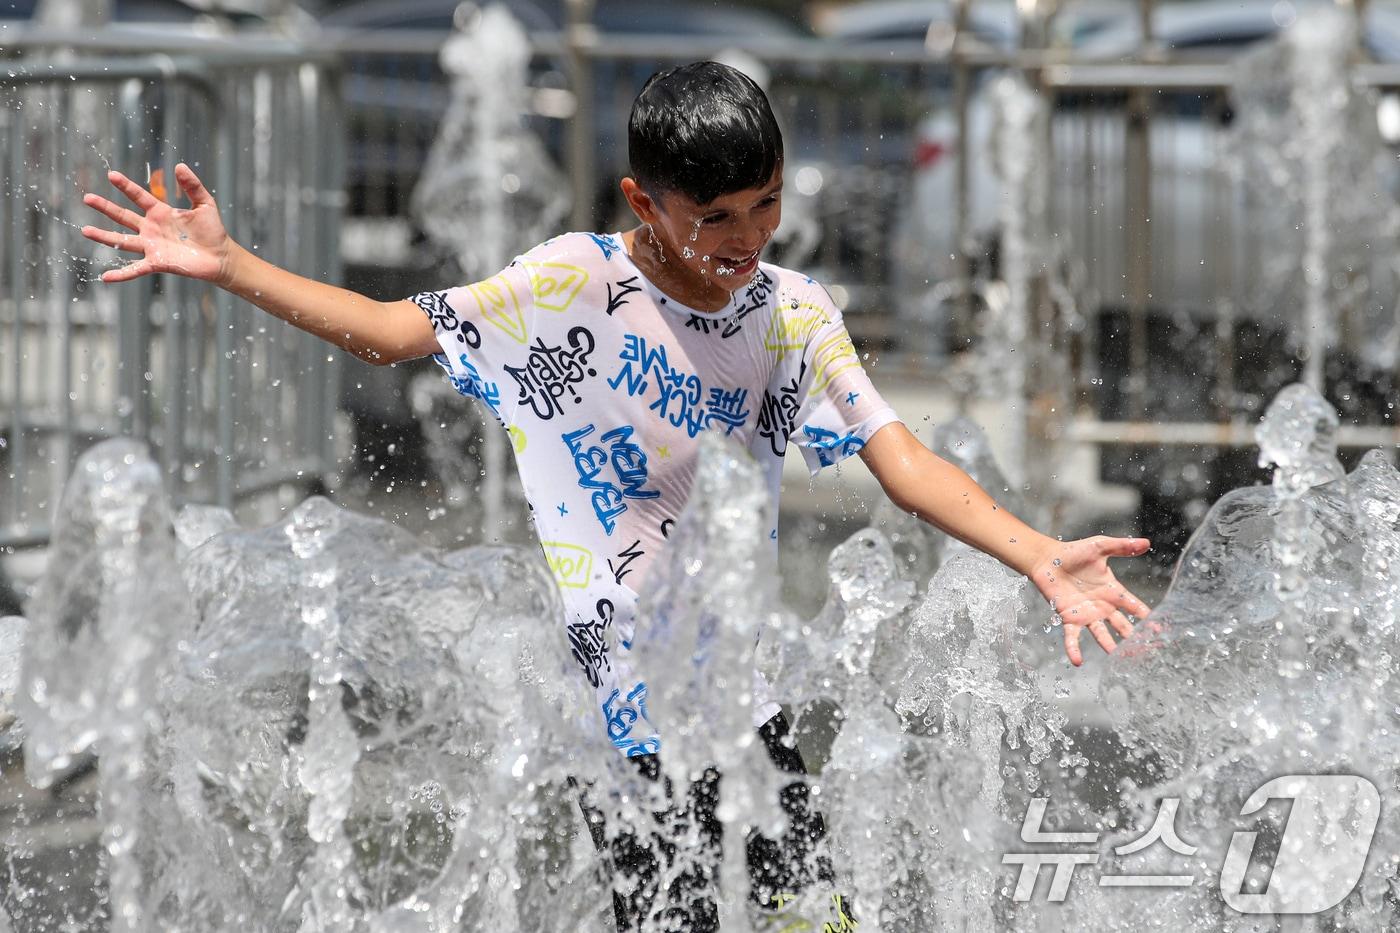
x,y
194,243
1073,576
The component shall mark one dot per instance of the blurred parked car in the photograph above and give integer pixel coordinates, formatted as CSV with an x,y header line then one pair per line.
x,y
919,22
991,24
144,12
1217,30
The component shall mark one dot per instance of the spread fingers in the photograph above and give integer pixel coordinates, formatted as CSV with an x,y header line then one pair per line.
x,y
129,219
116,240
139,196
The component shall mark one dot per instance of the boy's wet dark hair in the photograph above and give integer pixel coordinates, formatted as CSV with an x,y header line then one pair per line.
x,y
703,130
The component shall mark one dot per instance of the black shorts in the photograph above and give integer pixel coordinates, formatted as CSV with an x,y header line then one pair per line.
x,y
778,868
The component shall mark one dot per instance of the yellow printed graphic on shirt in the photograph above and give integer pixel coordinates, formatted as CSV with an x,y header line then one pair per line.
x,y
555,284
499,306
792,324
572,565
517,438
833,356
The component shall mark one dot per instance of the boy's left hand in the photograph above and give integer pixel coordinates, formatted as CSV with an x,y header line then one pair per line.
x,y
1075,579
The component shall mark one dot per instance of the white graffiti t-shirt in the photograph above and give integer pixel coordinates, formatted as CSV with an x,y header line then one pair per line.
x,y
604,384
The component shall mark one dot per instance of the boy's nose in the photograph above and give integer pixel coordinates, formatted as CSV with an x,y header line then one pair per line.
x,y
751,240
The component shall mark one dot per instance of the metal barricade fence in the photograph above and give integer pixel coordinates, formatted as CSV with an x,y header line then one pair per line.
x,y
231,402
866,119
1153,203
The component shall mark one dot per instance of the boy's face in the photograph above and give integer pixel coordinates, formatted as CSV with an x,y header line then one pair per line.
x,y
722,240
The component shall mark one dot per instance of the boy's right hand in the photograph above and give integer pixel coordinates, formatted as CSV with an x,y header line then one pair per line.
x,y
191,243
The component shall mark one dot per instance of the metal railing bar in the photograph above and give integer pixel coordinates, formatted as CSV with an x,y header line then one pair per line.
x,y
161,344
242,49
643,46
24,536
44,420
13,222
304,470
1209,434
1060,66
226,171
1131,76
61,279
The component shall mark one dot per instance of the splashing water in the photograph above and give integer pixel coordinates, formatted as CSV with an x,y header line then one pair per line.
x,y
327,724
1020,115
298,704
1013,365
12,636
1269,657
488,189
330,725
470,458
1297,437
113,536
1310,150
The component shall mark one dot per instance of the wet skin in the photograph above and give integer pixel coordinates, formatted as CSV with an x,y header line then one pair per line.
x,y
701,254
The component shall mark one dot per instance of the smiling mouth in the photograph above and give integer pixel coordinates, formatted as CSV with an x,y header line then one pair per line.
x,y
740,260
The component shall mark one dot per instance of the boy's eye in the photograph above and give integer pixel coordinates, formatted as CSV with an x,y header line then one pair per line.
x,y
769,201
712,219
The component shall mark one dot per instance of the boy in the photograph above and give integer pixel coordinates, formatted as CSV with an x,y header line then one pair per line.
x,y
605,356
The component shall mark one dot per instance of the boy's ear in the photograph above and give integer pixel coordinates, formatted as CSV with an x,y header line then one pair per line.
x,y
641,203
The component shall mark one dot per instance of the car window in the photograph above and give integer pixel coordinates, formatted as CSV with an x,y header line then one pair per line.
x,y
1238,40
431,15
700,19
432,21
153,11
